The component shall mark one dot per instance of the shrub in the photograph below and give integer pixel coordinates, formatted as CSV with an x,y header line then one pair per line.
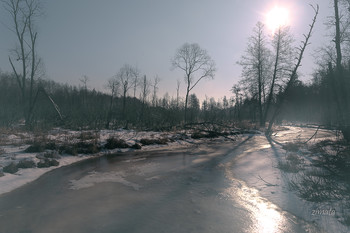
x,y
51,155
80,148
113,143
198,135
36,147
86,148
47,163
51,146
136,146
87,135
317,188
26,164
292,146
288,167
68,149
160,141
11,168
2,151
294,159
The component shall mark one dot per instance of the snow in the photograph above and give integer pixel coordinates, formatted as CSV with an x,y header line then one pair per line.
x,y
10,182
13,145
257,171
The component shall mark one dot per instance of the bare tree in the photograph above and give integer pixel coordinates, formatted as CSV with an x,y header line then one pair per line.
x,y
340,80
84,80
337,39
293,76
197,65
256,67
236,89
144,89
136,81
283,60
156,81
178,83
113,84
23,14
144,93
126,77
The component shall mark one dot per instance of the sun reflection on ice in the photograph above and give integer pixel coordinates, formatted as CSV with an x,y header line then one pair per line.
x,y
265,215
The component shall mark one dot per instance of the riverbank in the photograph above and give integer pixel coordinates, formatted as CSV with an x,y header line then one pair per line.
x,y
271,168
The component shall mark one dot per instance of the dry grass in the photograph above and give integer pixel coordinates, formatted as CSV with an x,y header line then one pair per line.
x,y
2,151
113,143
159,141
89,135
317,187
328,177
293,164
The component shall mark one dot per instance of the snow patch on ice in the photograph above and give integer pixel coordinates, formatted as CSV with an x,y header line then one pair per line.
x,y
95,177
10,182
13,145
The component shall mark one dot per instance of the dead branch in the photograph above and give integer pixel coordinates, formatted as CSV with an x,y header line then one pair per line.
x,y
267,183
313,135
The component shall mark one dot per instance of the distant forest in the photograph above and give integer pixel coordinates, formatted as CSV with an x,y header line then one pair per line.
x,y
84,108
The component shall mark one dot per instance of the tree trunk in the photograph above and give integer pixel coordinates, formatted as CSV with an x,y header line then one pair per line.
x,y
186,104
124,104
269,99
293,75
337,34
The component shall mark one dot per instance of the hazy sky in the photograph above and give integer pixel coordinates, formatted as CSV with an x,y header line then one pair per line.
x,y
97,37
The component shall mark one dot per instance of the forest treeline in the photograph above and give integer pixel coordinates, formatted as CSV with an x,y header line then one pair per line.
x,y
269,90
81,107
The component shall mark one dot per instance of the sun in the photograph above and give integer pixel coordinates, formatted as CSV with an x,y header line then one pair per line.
x,y
276,18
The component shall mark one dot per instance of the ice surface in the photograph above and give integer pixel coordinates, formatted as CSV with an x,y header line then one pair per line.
x,y
258,167
99,177
13,145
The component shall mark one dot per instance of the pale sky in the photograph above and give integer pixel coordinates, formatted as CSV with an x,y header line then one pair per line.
x,y
97,37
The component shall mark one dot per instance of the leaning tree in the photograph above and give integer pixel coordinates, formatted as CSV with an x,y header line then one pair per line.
x,y
294,73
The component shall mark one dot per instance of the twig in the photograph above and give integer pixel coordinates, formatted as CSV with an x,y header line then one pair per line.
x,y
267,183
313,135
229,138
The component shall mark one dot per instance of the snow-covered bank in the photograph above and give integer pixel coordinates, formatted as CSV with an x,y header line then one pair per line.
x,y
13,146
260,168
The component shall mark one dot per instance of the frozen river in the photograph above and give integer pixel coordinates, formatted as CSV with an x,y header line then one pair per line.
x,y
192,189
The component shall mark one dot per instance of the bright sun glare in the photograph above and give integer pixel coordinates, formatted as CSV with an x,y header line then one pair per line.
x,y
277,17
